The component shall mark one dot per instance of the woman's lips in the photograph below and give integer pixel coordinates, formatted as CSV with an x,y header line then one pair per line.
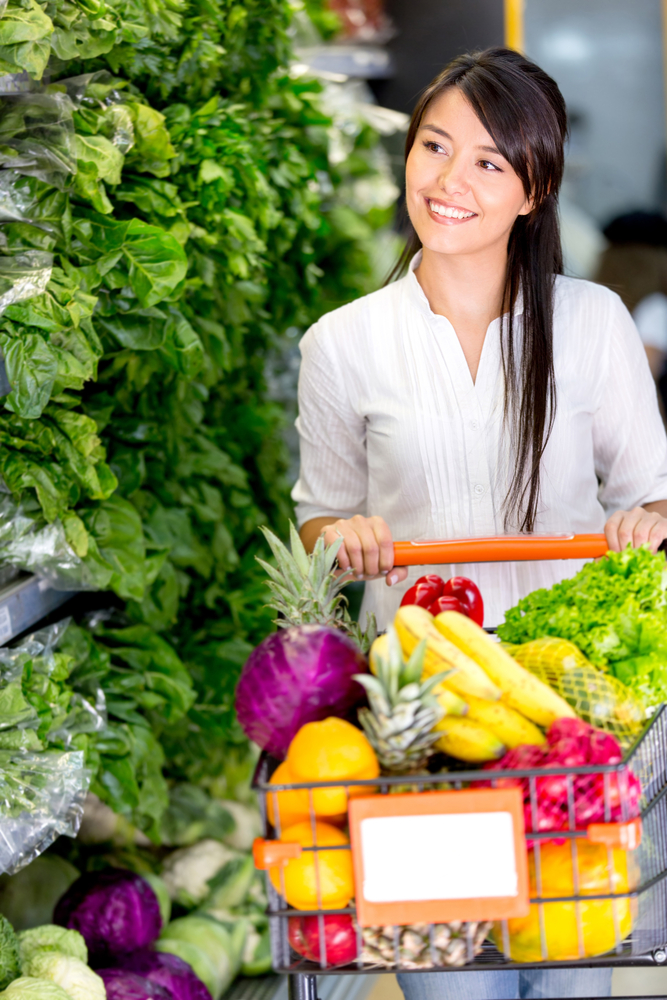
x,y
445,220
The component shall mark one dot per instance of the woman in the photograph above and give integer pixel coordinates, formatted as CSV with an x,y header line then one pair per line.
x,y
482,393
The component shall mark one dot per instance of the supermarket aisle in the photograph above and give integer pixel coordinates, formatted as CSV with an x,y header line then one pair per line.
x,y
626,983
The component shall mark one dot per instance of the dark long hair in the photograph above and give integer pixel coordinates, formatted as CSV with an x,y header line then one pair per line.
x,y
524,112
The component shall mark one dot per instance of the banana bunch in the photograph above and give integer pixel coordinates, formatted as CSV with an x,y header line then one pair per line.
x,y
492,703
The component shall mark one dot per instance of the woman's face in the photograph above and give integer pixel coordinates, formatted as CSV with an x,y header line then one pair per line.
x,y
463,197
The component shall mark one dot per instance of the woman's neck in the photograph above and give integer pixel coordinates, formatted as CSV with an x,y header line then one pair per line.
x,y
468,290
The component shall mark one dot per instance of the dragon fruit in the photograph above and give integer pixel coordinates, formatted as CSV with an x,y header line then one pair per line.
x,y
596,798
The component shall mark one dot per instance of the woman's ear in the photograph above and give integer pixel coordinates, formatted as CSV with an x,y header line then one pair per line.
x,y
528,206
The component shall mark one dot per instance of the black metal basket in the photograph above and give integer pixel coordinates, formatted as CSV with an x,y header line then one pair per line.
x,y
635,912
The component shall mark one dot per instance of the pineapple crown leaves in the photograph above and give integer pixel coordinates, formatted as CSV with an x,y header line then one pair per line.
x,y
399,681
306,588
299,580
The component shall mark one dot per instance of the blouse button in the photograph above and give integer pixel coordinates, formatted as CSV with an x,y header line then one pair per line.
x,y
478,489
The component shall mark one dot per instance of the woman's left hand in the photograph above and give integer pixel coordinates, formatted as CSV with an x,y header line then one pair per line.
x,y
636,527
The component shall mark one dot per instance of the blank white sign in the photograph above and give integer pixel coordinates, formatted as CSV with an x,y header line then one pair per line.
x,y
445,856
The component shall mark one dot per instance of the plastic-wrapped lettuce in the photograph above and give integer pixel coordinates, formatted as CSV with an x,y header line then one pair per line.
x,y
78,981
41,798
29,988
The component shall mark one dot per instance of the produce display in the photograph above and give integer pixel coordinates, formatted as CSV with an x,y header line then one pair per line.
x,y
179,203
175,214
442,693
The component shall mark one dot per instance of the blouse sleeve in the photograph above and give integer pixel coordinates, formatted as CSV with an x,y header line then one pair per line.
x,y
333,479
628,434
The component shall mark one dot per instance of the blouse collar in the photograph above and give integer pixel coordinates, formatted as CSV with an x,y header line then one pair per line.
x,y
419,297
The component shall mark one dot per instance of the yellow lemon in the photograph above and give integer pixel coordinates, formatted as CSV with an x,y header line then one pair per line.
x,y
317,880
327,750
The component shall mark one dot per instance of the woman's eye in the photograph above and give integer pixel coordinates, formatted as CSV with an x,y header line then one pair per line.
x,y
487,165
434,147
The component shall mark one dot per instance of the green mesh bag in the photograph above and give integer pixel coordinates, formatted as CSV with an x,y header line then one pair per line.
x,y
596,697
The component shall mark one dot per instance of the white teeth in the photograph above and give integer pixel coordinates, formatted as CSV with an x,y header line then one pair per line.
x,y
449,213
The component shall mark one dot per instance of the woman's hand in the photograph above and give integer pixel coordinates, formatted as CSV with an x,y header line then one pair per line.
x,y
367,549
639,526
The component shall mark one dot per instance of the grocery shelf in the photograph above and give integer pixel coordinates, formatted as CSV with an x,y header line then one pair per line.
x,y
275,988
24,601
367,62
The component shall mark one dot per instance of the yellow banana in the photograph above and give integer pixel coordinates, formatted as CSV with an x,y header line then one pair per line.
x,y
468,740
521,689
506,723
413,624
380,648
450,701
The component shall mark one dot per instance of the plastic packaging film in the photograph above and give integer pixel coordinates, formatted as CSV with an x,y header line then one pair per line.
x,y
41,798
41,793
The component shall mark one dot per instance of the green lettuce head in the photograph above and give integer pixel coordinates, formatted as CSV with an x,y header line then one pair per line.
x,y
27,988
9,953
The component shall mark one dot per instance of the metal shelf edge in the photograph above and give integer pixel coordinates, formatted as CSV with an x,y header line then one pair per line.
x,y
24,602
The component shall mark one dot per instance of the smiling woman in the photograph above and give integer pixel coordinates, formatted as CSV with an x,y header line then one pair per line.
x,y
483,392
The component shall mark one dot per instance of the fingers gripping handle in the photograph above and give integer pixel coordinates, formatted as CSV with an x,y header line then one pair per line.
x,y
504,548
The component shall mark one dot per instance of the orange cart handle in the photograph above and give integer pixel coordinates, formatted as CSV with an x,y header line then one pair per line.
x,y
504,548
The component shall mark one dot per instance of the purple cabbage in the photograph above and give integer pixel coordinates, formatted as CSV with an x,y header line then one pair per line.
x,y
297,675
123,985
168,971
116,911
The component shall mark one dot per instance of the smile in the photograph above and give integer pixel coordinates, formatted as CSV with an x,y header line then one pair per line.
x,y
446,212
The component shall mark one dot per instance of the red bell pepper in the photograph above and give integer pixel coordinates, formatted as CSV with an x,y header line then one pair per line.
x,y
446,603
426,590
468,594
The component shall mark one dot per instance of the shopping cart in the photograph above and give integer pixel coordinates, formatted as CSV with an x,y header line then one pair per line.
x,y
629,906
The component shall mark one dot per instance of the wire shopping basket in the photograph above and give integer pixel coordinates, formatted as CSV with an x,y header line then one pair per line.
x,y
466,869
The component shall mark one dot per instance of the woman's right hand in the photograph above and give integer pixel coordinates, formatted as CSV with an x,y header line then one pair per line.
x,y
367,549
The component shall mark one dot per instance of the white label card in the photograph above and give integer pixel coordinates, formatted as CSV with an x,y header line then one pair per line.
x,y
444,856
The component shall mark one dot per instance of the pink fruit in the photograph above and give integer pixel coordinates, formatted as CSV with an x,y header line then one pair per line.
x,y
604,749
551,789
568,728
567,752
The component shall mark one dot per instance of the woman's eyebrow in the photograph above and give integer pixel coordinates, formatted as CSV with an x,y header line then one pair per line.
x,y
446,135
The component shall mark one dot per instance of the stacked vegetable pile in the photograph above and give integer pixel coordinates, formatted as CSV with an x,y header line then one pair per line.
x,y
162,230
439,690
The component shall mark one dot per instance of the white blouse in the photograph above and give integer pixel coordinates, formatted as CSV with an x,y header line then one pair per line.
x,y
391,424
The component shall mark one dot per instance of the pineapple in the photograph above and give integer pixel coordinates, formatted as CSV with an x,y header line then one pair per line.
x,y
403,711
414,946
306,588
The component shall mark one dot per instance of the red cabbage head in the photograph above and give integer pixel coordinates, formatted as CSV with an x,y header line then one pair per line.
x,y
115,910
297,675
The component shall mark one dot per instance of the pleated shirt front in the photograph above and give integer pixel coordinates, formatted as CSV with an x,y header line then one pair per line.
x,y
392,424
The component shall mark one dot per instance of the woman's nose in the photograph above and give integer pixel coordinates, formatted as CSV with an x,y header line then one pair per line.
x,y
454,177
